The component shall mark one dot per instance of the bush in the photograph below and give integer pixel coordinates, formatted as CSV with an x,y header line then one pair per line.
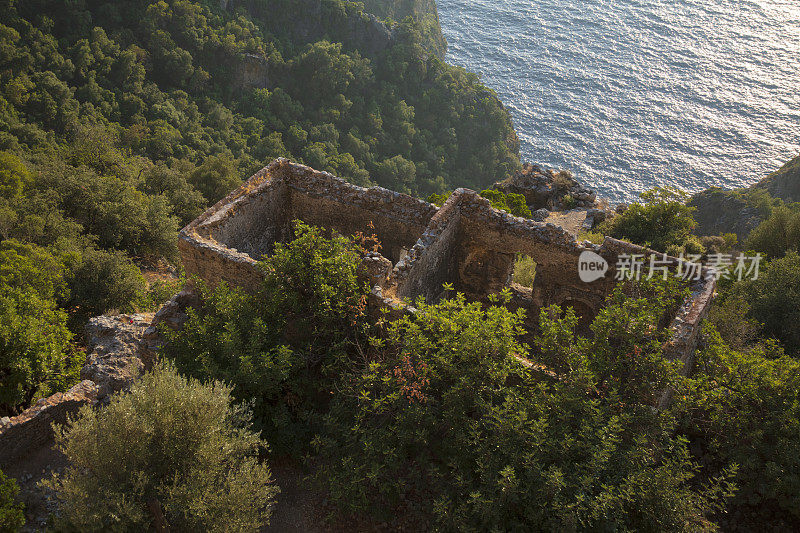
x,y
280,346
513,203
37,357
777,235
662,221
524,271
104,281
444,425
774,300
747,412
12,517
171,446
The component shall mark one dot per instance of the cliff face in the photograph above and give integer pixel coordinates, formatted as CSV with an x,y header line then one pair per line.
x,y
784,183
424,11
740,211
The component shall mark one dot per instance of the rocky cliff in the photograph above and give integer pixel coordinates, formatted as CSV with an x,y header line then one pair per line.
x,y
424,11
364,30
739,211
784,183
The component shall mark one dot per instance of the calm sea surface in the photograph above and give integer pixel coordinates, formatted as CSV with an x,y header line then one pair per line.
x,y
629,94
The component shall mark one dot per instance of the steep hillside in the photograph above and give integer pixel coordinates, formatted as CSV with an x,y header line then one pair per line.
x,y
784,183
740,211
424,11
121,121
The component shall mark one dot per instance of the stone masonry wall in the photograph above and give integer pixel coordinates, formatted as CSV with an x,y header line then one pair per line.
x,y
224,243
466,243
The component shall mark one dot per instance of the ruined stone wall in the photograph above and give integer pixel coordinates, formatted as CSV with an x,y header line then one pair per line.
x,y
32,429
224,243
466,243
111,365
431,262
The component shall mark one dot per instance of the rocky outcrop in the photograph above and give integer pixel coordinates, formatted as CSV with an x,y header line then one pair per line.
x,y
720,211
424,12
784,183
172,315
112,364
548,189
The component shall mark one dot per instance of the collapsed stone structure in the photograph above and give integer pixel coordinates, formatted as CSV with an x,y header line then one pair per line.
x,y
465,243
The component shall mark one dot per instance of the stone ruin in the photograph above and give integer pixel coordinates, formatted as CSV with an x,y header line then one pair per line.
x,y
465,243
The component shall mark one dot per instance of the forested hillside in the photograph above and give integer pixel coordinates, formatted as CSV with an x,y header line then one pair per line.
x,y
121,121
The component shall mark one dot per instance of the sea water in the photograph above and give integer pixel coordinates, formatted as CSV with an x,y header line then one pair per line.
x,y
630,94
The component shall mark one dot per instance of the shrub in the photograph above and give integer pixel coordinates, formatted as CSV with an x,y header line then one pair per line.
x,y
279,346
513,203
12,517
747,411
444,425
563,181
438,199
37,357
663,220
102,281
171,446
778,234
774,299
524,271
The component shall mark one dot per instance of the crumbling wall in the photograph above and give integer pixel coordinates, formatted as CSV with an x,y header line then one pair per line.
x,y
224,243
431,261
466,243
111,365
31,430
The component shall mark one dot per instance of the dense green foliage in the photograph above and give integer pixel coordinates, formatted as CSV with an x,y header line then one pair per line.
x,y
778,234
281,346
122,121
37,357
747,411
663,222
773,300
12,517
171,443
446,425
524,271
433,418
513,203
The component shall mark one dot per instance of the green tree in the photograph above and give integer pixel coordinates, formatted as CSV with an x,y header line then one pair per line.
x,y
451,420
746,411
663,222
172,450
774,299
282,346
12,517
513,203
37,357
778,234
215,178
14,175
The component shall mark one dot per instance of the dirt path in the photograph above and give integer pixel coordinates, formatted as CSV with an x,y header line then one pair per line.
x,y
572,221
